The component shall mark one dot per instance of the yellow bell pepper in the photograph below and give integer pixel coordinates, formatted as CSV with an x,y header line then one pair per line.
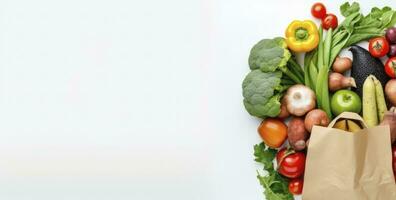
x,y
302,36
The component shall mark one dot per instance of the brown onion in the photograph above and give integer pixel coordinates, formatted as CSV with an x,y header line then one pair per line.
x,y
342,65
338,81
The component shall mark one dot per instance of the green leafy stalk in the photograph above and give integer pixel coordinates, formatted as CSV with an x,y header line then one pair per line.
x,y
310,69
320,61
287,82
292,76
296,69
294,65
313,74
319,65
327,48
322,90
323,76
307,62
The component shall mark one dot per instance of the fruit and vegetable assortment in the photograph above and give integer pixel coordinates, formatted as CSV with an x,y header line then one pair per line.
x,y
292,98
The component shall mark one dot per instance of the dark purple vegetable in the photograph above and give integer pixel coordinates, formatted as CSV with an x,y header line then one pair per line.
x,y
391,35
364,65
392,51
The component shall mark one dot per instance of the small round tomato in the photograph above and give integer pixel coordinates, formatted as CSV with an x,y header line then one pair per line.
x,y
378,47
296,186
390,67
330,21
290,164
273,132
318,10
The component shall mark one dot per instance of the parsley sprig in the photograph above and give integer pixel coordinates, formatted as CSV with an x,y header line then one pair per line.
x,y
275,186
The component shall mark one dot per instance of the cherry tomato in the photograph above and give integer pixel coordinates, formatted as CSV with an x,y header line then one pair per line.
x,y
390,67
318,10
330,21
378,47
290,164
273,132
296,186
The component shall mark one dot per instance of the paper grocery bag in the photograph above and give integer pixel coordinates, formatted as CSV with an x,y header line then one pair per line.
x,y
342,165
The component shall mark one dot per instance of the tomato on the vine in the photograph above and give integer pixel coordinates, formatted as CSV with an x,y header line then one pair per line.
x,y
273,132
330,21
378,47
290,164
390,67
296,186
318,10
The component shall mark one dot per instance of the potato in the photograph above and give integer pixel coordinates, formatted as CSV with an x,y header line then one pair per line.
x,y
297,134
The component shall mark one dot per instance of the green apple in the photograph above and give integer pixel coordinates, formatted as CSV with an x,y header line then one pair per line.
x,y
345,101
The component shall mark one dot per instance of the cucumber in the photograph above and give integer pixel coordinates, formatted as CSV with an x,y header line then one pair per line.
x,y
380,99
370,114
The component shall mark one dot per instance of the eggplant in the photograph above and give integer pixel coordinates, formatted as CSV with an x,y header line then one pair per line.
x,y
363,65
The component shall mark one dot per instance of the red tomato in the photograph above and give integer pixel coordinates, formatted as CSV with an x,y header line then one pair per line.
x,y
394,159
330,21
390,67
273,132
378,47
290,164
296,186
318,10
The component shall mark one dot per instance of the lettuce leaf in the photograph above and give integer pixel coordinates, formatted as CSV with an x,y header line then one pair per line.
x,y
275,186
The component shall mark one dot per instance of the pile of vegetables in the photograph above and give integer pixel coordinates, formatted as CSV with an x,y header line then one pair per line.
x,y
291,99
355,28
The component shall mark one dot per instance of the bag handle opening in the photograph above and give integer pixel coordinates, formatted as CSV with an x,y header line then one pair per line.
x,y
348,115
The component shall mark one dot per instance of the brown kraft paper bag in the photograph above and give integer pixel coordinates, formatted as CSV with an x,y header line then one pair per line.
x,y
342,165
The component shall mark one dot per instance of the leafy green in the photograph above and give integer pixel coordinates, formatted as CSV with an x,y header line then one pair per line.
x,y
356,27
347,9
261,92
275,186
265,156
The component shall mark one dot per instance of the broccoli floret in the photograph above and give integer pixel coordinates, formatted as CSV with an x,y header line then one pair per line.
x,y
269,55
261,92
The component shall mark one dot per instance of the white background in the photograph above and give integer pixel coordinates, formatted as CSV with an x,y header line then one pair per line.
x,y
121,100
